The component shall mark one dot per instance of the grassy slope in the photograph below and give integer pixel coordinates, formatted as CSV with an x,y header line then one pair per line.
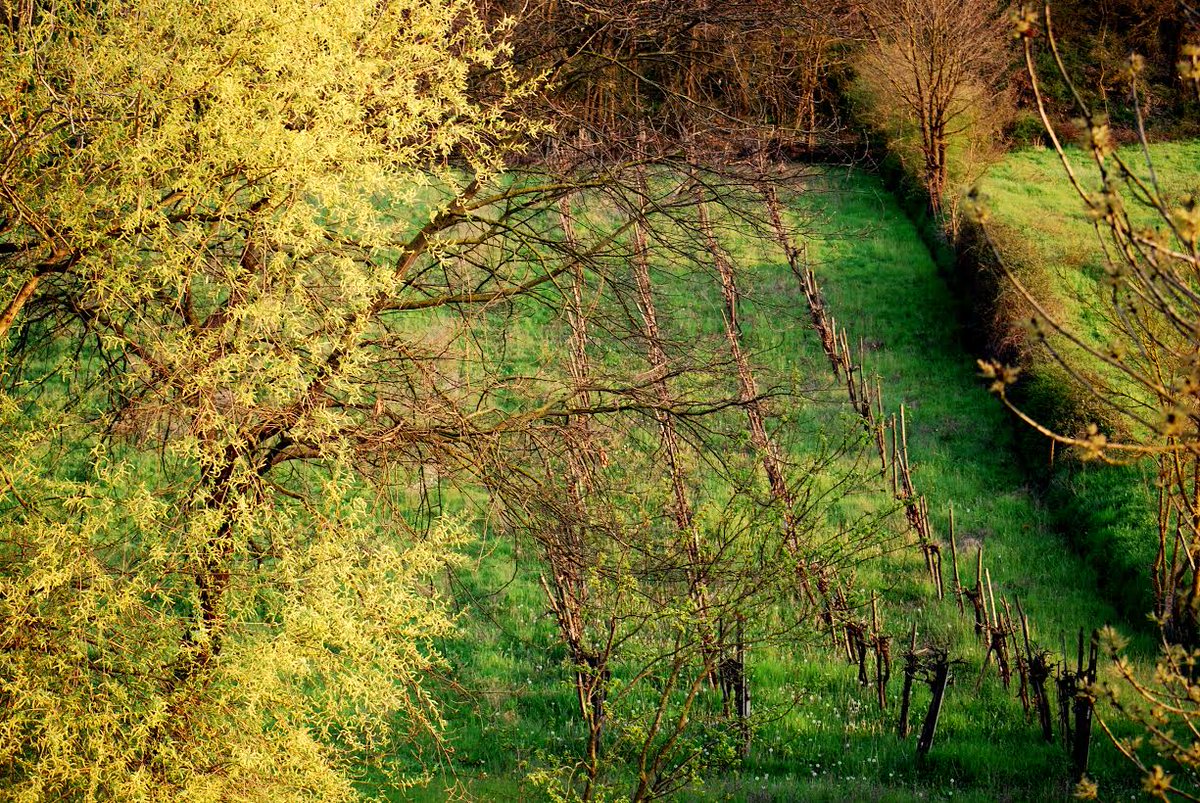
x,y
959,438
1045,234
960,442
1045,224
834,745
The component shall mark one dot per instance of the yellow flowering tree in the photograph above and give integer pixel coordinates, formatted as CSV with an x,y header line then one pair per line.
x,y
270,282
232,300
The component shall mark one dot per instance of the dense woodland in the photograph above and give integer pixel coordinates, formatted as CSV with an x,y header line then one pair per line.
x,y
571,400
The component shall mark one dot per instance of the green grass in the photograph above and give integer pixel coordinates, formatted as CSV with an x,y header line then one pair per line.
x,y
883,282
961,442
1044,221
1045,235
827,740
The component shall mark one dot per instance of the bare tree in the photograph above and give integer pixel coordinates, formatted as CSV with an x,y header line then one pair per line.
x,y
744,65
939,64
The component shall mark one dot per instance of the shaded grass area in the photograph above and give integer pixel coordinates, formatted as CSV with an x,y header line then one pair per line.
x,y
821,736
1046,236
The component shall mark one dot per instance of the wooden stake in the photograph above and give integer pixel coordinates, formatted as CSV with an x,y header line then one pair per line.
x,y
954,559
1081,746
941,679
880,424
883,660
1024,628
895,459
978,601
992,597
1038,667
742,688
911,665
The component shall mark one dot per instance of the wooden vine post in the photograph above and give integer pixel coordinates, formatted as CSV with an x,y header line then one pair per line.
x,y
912,664
1039,668
735,684
1083,706
882,645
958,587
938,683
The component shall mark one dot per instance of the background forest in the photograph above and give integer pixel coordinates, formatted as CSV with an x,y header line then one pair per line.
x,y
569,400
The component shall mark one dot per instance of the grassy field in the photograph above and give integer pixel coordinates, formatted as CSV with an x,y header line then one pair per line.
x,y
1044,225
1046,236
827,740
